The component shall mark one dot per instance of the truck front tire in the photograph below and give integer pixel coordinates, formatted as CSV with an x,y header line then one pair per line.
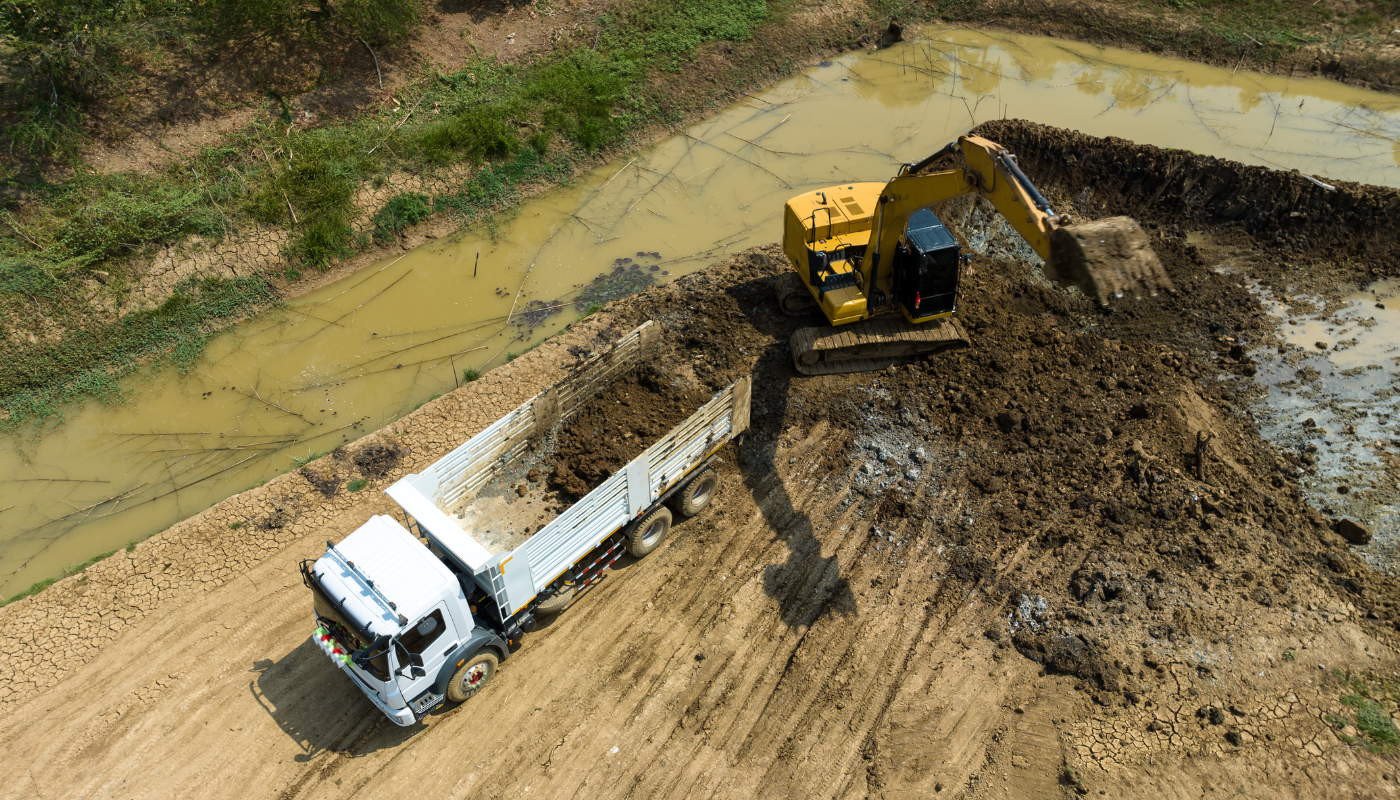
x,y
471,676
650,532
696,493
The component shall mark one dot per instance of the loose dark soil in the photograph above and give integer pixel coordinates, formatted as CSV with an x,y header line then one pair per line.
x,y
1001,572
1066,436
616,427
376,460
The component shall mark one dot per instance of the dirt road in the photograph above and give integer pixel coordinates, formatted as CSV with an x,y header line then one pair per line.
x,y
994,574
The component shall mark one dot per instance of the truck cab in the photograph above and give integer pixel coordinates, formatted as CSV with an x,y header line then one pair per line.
x,y
394,617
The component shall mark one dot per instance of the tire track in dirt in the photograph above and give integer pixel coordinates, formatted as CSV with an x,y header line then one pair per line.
x,y
858,611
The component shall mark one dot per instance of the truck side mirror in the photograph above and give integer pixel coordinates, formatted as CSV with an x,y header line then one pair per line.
x,y
418,672
415,659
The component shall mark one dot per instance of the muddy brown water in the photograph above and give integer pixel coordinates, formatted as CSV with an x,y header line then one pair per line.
x,y
355,355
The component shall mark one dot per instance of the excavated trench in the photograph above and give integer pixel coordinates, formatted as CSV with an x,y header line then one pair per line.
x,y
354,356
1063,560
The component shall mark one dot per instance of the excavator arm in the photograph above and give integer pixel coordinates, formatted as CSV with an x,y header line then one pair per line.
x,y
1105,258
885,273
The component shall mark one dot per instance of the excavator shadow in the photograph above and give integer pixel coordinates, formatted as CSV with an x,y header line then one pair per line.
x,y
807,585
313,703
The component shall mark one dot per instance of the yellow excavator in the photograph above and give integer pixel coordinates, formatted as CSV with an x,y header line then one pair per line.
x,y
884,270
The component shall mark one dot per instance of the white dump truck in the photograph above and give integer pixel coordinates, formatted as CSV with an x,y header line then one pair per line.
x,y
421,613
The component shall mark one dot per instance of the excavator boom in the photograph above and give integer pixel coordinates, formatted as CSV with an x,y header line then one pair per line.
x,y
1105,258
882,268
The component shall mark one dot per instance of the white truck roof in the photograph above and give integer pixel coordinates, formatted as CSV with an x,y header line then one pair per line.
x,y
401,569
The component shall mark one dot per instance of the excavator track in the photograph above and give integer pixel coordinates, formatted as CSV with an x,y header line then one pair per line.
x,y
871,345
793,298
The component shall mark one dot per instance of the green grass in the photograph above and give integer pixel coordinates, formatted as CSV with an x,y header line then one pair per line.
x,y
399,213
300,462
357,484
470,374
60,56
72,569
38,379
1365,696
521,124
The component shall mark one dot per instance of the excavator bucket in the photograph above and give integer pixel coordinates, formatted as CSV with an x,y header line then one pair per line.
x,y
1106,258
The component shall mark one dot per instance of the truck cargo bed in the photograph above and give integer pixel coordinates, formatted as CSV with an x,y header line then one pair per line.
x,y
512,567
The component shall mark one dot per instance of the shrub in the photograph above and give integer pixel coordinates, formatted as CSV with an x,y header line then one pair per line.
x,y
400,212
124,214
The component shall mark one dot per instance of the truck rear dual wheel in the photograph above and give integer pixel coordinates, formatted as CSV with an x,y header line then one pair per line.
x,y
696,493
650,532
471,676
555,602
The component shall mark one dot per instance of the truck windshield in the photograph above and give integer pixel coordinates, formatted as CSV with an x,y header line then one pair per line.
x,y
328,609
377,664
342,626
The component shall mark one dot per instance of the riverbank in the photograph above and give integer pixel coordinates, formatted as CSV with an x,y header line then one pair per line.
x,y
1019,525
181,226
1353,43
294,199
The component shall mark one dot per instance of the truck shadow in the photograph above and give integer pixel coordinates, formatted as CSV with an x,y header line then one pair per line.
x,y
319,708
807,585
618,568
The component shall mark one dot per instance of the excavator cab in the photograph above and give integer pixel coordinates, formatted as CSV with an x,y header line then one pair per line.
x,y
926,266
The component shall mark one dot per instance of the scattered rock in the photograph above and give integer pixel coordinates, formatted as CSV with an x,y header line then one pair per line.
x,y
1353,531
894,33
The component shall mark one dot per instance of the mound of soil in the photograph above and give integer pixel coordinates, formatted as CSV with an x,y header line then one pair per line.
x,y
326,484
377,460
616,426
1053,465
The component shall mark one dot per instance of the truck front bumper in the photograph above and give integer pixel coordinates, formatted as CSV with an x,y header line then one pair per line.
x,y
402,717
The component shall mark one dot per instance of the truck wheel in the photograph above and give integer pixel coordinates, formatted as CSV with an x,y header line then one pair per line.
x,y
471,676
696,493
647,536
555,602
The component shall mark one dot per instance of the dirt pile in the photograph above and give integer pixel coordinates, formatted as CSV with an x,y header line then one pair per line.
x,y
616,427
1002,572
1310,232
1067,438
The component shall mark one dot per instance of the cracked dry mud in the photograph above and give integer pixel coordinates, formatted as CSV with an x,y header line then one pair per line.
x,y
992,574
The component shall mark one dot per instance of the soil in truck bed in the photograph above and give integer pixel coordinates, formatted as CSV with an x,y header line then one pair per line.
x,y
617,426
606,432
1009,571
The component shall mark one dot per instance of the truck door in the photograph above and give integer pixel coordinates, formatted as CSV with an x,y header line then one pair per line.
x,y
419,653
